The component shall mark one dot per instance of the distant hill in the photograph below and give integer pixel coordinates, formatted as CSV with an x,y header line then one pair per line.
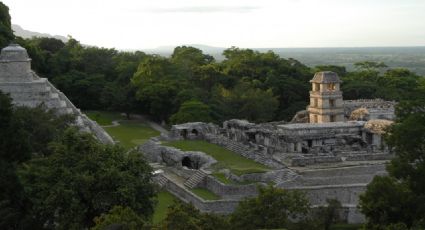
x,y
19,31
412,58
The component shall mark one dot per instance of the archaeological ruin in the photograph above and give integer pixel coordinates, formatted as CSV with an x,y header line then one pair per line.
x,y
26,88
331,150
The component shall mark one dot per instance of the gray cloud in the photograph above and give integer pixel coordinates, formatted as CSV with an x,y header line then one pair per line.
x,y
206,9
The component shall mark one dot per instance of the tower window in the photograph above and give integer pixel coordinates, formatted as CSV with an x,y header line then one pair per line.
x,y
331,87
332,118
332,103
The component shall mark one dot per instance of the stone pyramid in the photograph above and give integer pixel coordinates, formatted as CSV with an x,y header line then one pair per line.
x,y
27,89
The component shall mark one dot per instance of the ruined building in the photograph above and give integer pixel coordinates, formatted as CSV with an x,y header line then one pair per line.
x,y
332,152
28,89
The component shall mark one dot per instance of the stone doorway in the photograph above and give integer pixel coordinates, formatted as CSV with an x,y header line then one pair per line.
x,y
189,163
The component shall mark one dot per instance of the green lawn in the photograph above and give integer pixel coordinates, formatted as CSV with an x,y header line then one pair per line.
x,y
205,194
226,159
131,133
165,199
222,178
103,117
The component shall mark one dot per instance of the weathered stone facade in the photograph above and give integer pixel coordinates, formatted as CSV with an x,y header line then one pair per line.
x,y
27,89
334,156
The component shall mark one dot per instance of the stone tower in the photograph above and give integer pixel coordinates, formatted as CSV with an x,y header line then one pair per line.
x,y
26,88
326,103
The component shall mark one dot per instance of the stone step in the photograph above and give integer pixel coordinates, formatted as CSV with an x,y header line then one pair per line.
x,y
286,177
54,95
195,179
160,180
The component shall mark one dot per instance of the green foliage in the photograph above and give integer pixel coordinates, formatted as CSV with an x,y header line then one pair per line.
x,y
329,214
247,102
400,197
103,117
340,70
14,205
369,65
82,179
394,84
192,111
6,33
273,208
24,133
181,216
120,217
386,201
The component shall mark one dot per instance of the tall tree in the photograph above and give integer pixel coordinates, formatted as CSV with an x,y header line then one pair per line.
x,y
82,179
192,111
273,208
6,33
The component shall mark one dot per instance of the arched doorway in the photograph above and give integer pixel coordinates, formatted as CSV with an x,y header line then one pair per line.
x,y
189,163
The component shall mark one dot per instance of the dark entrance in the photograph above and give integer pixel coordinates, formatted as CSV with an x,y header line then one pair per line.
x,y
310,143
251,137
184,133
186,161
195,132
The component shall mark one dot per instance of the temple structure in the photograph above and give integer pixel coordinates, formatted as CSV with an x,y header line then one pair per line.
x,y
26,88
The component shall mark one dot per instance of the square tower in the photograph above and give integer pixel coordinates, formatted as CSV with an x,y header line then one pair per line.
x,y
325,98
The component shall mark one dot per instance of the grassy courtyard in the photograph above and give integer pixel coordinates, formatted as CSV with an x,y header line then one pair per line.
x,y
103,117
226,159
129,133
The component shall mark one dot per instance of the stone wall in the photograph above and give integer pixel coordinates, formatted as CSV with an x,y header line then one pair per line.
x,y
226,206
369,157
155,152
304,161
348,195
229,191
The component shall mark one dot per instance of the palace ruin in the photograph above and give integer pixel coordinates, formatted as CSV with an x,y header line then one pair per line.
x,y
331,150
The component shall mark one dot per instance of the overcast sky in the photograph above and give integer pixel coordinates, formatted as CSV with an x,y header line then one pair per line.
x,y
141,24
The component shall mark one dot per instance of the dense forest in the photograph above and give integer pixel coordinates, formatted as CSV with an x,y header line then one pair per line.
x,y
192,86
54,177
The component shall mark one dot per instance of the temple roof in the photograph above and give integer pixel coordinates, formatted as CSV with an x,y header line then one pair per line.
x,y
14,52
326,77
